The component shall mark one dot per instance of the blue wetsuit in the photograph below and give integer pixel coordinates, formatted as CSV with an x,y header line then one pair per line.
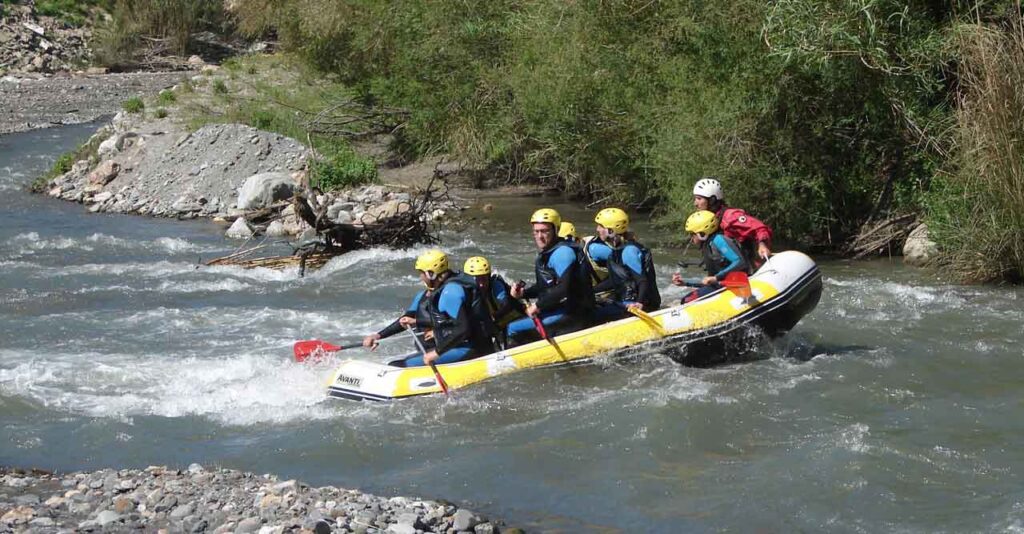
x,y
451,302
720,253
599,251
632,257
561,261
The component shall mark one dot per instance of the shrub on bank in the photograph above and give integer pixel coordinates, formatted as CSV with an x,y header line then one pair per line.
x,y
341,169
166,97
976,208
84,151
133,105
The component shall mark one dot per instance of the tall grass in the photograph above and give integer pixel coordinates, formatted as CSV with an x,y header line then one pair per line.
x,y
977,210
136,25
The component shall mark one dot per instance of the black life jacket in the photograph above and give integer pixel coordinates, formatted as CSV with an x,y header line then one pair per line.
x,y
515,309
714,261
627,282
580,301
446,327
422,315
483,307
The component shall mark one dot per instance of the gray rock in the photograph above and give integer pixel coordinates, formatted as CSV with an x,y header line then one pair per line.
x,y
182,511
399,528
186,205
276,229
484,528
168,502
106,517
464,520
42,522
261,190
114,144
251,524
343,217
27,499
240,229
103,197
919,249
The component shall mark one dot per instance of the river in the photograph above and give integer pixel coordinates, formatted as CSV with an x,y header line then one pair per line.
x,y
895,405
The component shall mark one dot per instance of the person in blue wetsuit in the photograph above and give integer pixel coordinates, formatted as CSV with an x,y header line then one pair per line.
x,y
598,251
565,296
460,330
433,269
632,280
493,308
721,255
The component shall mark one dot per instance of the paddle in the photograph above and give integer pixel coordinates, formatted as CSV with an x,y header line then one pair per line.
x,y
646,317
304,349
544,334
739,282
437,374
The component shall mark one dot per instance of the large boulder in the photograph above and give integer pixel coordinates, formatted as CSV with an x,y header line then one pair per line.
x,y
261,190
919,249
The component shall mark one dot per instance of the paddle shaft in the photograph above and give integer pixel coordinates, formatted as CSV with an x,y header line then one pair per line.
x,y
423,350
544,334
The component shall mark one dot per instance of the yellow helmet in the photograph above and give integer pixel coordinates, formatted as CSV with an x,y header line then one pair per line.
x,y
567,230
477,266
546,215
613,219
433,261
702,222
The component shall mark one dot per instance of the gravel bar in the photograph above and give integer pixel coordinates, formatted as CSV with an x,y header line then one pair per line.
x,y
160,499
28,102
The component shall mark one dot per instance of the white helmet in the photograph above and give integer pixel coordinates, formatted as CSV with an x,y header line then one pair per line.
x,y
708,187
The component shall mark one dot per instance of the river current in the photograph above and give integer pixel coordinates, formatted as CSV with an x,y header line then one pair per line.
x,y
895,406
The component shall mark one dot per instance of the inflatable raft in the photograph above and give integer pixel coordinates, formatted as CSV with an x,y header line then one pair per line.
x,y
783,290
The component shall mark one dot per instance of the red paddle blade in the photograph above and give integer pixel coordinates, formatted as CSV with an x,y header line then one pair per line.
x,y
304,349
739,282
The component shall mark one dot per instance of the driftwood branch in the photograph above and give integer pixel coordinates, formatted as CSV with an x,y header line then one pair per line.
x,y
407,226
352,119
878,236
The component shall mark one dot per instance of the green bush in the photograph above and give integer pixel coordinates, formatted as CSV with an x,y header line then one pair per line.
x,y
160,113
219,87
342,169
133,105
166,97
71,12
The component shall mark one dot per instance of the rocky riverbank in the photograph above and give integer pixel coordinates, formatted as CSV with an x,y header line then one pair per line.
x,y
159,499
